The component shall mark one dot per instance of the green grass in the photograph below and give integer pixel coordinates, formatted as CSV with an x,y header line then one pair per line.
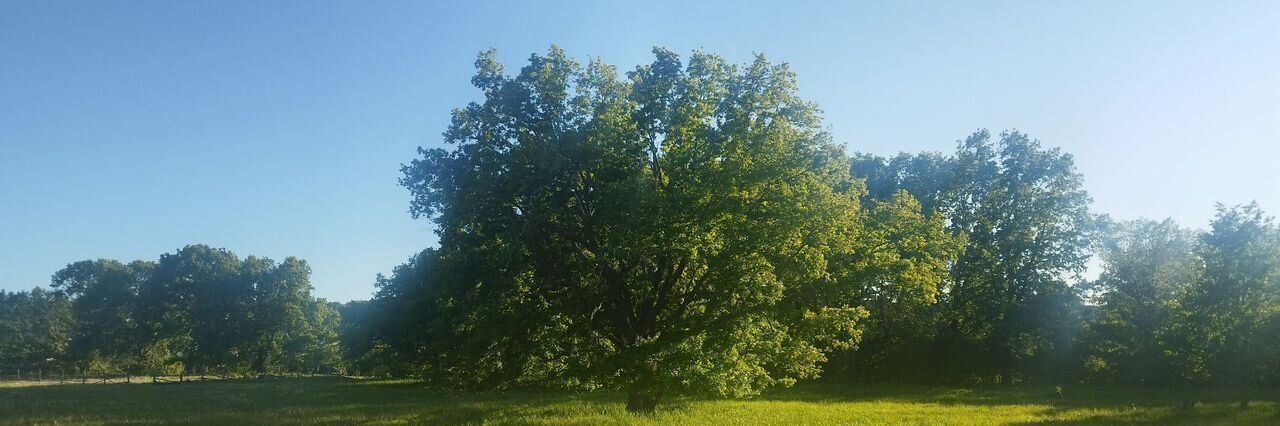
x,y
345,401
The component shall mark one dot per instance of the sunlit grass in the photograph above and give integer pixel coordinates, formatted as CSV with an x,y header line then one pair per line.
x,y
329,400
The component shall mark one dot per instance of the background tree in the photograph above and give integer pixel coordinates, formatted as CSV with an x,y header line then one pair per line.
x,y
403,326
1008,311
104,295
898,272
255,341
35,329
282,300
927,176
1011,312
1147,267
205,287
199,310
356,336
1229,315
315,349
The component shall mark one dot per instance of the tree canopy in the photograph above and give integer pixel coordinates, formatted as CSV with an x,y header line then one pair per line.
x,y
199,310
690,228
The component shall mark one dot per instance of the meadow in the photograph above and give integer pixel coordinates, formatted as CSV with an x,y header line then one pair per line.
x,y
346,401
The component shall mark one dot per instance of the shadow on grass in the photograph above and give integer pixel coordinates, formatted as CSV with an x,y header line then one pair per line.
x,y
347,401
291,401
265,401
1073,404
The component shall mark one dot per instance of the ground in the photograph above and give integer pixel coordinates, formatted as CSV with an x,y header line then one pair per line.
x,y
345,401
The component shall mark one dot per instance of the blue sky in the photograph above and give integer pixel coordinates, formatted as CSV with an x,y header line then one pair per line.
x,y
131,128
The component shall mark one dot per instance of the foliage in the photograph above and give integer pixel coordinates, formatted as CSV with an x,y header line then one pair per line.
x,y
1147,267
35,329
103,294
198,310
1178,307
1229,314
688,229
1009,311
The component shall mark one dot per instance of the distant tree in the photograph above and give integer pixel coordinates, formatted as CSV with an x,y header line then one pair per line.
x,y
35,329
927,176
358,334
898,272
671,232
163,317
253,348
1008,312
104,296
282,299
161,357
207,310
1229,315
200,310
1147,267
204,299
316,348
403,322
899,336
1011,311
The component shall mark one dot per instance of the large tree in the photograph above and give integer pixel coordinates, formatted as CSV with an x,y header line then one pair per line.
x,y
688,228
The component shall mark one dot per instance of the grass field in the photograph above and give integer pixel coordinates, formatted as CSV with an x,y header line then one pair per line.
x,y
344,401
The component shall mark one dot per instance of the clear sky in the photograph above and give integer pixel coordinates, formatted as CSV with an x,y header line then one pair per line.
x,y
130,128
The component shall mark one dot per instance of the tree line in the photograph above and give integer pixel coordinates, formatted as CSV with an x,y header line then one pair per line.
x,y
691,227
196,311
1170,306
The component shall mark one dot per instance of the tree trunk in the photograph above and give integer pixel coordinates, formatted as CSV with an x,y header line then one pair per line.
x,y
642,402
853,365
1244,403
642,395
